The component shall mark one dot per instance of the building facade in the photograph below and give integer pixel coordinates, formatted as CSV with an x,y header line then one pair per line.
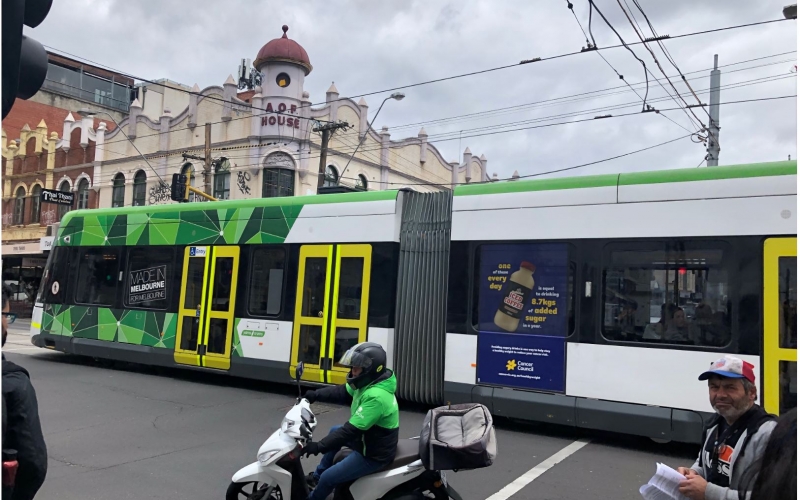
x,y
268,137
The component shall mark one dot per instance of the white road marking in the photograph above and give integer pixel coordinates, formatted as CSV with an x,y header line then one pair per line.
x,y
537,471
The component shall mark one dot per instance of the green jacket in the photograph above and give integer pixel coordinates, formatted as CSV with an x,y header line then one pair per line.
x,y
374,418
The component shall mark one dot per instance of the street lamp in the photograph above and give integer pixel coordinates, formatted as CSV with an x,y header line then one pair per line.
x,y
91,113
397,96
790,11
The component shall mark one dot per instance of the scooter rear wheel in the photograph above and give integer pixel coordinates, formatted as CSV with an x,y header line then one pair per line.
x,y
251,491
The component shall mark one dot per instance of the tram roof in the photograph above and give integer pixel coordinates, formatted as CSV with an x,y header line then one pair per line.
x,y
284,202
766,169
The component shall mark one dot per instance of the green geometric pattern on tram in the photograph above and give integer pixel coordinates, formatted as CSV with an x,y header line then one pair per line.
x,y
236,348
147,328
52,316
201,227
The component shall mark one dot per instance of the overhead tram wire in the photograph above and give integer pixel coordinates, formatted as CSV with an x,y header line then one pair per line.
x,y
474,135
462,75
482,114
572,97
661,45
577,166
446,139
591,2
763,99
655,59
345,98
592,47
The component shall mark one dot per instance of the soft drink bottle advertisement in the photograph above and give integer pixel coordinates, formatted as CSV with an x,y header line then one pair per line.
x,y
523,315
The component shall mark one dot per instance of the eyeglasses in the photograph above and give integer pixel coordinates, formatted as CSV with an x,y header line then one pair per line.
x,y
10,317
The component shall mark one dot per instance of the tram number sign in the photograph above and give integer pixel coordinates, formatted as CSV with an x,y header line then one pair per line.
x,y
57,197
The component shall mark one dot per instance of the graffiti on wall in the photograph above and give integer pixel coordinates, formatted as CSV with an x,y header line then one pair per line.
x,y
242,180
159,193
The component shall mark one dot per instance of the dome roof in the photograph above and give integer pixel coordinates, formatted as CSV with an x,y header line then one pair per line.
x,y
285,50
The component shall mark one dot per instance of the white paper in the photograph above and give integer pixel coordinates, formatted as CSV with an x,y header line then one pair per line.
x,y
663,485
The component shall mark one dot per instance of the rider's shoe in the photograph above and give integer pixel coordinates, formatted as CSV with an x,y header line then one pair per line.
x,y
311,481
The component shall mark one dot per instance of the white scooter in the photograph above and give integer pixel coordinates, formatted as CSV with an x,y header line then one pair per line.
x,y
278,473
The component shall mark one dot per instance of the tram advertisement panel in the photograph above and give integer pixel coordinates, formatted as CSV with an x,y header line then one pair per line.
x,y
522,315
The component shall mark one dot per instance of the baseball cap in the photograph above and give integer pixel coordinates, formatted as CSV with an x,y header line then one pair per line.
x,y
731,367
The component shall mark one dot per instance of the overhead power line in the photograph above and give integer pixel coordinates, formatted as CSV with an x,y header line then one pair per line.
x,y
462,75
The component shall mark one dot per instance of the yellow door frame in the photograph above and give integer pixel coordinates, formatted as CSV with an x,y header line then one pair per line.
x,y
337,375
312,371
210,359
774,248
184,356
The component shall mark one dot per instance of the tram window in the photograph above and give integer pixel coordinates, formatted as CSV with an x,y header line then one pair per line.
x,y
351,276
54,279
97,276
787,280
267,267
667,294
382,291
458,287
149,276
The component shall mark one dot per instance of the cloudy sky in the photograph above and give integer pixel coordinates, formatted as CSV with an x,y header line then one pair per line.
x,y
367,46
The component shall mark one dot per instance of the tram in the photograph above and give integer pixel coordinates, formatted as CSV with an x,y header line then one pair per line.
x,y
590,301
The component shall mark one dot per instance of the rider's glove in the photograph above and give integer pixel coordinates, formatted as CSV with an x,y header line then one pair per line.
x,y
311,396
312,448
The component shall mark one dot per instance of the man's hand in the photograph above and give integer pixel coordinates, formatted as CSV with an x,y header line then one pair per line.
x,y
311,449
311,396
694,487
687,471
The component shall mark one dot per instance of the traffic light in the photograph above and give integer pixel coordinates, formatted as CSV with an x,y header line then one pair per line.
x,y
24,59
178,191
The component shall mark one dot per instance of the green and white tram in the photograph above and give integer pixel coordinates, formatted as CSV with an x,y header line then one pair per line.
x,y
586,301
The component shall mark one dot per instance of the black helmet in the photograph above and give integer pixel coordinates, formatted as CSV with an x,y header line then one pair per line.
x,y
370,357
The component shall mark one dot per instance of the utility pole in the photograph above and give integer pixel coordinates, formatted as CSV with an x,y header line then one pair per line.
x,y
327,131
207,169
713,125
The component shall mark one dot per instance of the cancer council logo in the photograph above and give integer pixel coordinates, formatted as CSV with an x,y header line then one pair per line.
x,y
510,365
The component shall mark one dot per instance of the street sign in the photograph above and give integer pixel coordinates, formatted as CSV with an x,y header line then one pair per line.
x,y
57,197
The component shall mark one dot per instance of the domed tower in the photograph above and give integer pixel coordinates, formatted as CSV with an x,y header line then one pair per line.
x,y
284,64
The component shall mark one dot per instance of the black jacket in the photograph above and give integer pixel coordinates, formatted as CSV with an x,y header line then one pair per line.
x,y
23,431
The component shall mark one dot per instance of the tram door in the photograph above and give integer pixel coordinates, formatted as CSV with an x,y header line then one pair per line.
x,y
205,313
780,324
331,308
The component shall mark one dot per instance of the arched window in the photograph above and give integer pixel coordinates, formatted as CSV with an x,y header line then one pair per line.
x,y
278,176
83,194
361,182
36,203
19,207
331,176
63,209
118,191
139,188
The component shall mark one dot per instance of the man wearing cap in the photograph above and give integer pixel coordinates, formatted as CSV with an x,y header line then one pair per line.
x,y
734,439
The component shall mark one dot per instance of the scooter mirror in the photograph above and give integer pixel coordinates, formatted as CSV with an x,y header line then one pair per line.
x,y
299,371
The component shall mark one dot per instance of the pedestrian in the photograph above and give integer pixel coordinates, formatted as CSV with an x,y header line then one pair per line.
x,y
23,431
734,439
774,475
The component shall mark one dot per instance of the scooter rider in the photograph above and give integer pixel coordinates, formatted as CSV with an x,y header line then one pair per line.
x,y
374,424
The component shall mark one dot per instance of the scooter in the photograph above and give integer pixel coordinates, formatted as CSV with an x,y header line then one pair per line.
x,y
277,474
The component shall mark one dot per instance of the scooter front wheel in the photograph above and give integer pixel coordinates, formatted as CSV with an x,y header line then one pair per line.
x,y
252,491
